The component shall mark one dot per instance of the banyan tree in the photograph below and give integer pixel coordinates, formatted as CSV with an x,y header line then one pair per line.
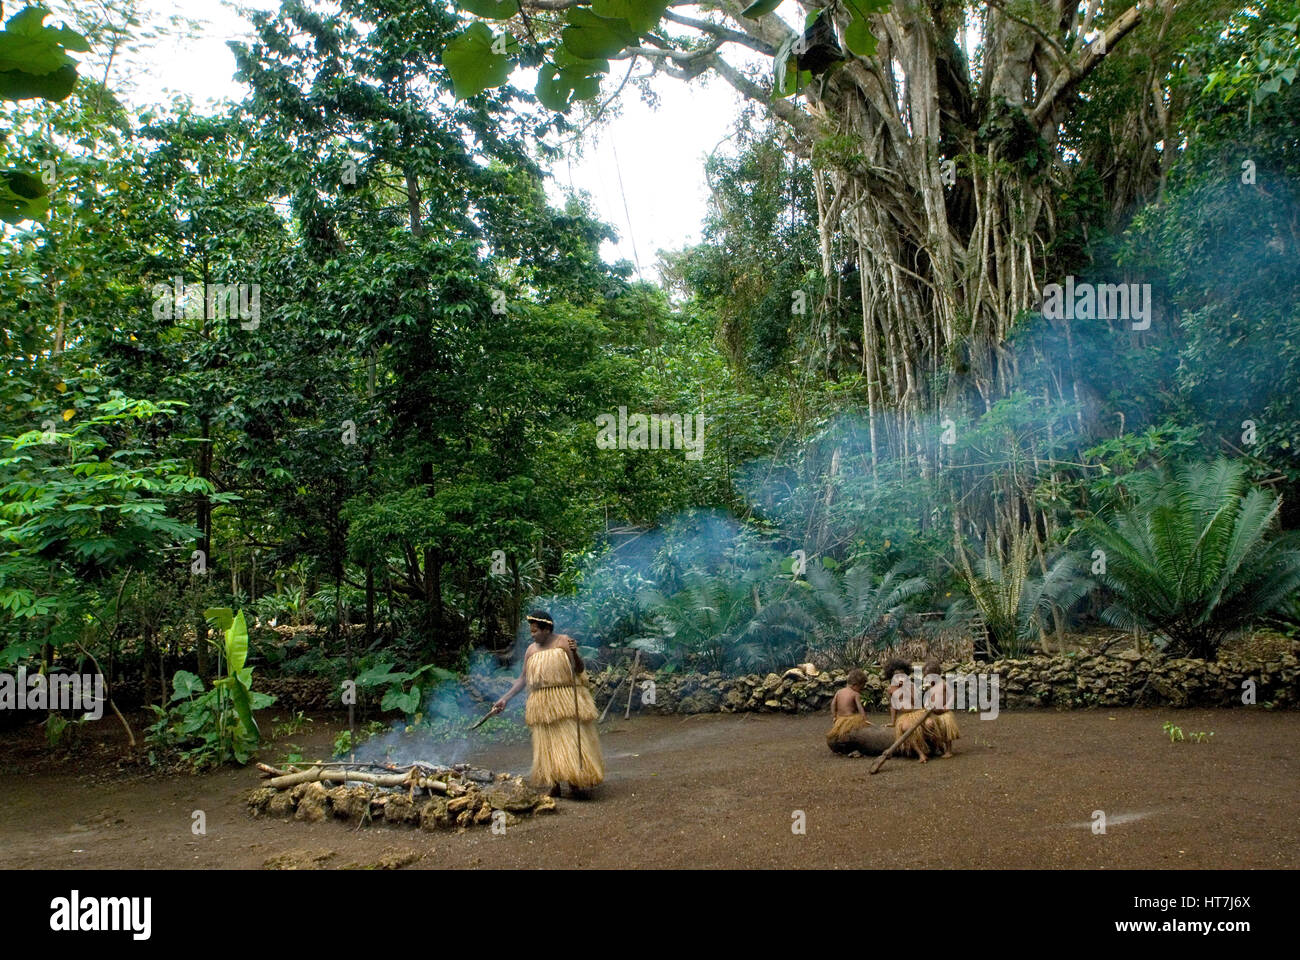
x,y
941,134
950,142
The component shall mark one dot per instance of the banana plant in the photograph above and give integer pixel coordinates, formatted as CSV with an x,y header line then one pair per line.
x,y
237,683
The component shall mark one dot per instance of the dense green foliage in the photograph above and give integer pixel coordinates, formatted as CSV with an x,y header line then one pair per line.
x,y
372,403
1192,560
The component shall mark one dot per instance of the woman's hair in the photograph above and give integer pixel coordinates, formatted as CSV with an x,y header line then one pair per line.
x,y
542,619
856,678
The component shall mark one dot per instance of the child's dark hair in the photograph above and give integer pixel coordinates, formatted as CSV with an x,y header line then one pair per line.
x,y
897,665
856,678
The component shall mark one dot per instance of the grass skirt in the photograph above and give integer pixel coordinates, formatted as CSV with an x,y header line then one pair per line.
x,y
559,737
842,726
947,726
922,739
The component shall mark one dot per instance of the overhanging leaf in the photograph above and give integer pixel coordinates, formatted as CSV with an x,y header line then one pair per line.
x,y
760,8
557,89
492,9
21,85
22,197
859,38
471,62
591,37
641,15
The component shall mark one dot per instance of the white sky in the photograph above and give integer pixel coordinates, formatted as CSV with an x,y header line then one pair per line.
x,y
659,153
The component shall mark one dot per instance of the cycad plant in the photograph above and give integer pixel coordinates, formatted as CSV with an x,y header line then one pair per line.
x,y
1015,602
1192,558
716,620
852,616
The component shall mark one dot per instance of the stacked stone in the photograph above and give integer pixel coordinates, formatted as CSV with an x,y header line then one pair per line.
x,y
1085,680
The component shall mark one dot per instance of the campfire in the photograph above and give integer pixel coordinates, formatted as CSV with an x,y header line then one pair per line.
x,y
420,794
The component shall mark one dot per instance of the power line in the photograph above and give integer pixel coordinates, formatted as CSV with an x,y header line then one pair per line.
x,y
628,216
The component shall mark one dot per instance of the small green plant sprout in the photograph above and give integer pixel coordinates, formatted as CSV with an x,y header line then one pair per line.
x,y
1174,732
343,743
1201,737
293,756
294,725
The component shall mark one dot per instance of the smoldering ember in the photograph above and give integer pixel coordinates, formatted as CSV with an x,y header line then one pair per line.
x,y
758,436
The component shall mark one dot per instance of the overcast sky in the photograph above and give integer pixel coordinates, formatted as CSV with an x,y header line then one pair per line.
x,y
645,169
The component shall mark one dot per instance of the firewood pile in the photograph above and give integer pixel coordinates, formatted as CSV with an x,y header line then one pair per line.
x,y
419,794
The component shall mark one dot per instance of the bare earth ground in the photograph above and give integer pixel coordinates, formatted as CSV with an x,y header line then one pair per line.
x,y
721,791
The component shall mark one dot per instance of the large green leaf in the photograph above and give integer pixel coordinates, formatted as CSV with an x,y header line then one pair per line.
x,y
859,38
395,699
857,35
185,685
237,644
222,617
27,45
641,15
244,709
21,85
591,37
472,63
33,58
557,89
22,196
492,9
760,8
434,672
380,674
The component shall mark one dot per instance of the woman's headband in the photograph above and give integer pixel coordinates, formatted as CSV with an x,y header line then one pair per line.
x,y
541,621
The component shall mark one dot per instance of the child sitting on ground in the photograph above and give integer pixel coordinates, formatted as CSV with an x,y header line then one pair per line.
x,y
847,714
905,711
938,696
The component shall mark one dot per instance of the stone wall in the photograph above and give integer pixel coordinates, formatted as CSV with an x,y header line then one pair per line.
x,y
1063,682
1068,681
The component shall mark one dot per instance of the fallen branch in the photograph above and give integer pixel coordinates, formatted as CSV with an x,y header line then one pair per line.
x,y
339,775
